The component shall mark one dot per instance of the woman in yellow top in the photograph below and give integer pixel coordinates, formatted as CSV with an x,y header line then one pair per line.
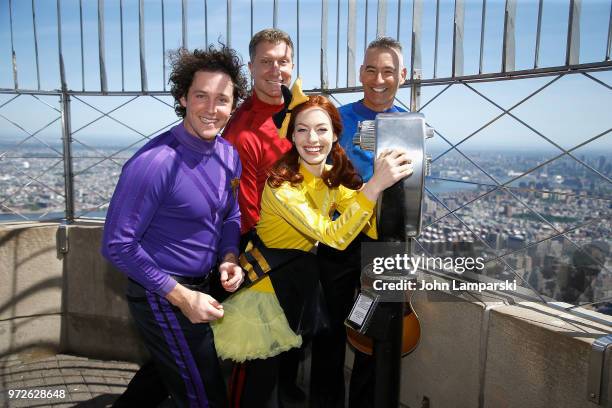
x,y
301,195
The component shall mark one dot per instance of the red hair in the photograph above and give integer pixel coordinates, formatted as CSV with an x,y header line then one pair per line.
x,y
342,171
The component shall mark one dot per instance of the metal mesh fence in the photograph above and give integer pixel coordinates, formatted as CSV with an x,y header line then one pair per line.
x,y
521,159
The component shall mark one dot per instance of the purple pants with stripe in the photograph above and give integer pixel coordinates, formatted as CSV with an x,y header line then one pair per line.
x,y
183,352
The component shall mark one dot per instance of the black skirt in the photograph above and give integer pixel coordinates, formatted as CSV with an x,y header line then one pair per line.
x,y
297,287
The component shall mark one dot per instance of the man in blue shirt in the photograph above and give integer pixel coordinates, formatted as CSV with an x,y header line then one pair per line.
x,y
381,75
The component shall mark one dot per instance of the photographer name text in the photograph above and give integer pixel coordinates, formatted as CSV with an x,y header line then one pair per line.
x,y
507,285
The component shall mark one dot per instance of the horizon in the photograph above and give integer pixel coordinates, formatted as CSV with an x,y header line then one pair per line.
x,y
112,142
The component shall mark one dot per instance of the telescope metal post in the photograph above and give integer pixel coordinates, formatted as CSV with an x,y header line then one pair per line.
x,y
387,358
388,351
402,207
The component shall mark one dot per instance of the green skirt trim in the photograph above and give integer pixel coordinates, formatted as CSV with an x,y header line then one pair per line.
x,y
254,326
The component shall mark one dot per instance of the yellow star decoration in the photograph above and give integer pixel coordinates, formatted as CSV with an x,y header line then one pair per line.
x,y
235,183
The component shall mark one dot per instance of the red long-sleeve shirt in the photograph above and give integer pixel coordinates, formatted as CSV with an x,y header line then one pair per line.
x,y
252,132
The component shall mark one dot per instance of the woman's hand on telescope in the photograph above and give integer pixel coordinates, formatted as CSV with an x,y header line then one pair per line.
x,y
389,167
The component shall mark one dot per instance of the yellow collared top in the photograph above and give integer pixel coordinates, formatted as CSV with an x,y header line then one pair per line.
x,y
297,217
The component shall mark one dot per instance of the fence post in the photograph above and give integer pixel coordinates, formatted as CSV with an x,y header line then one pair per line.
x,y
67,149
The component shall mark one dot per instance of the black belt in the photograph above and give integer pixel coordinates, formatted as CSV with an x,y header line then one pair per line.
x,y
260,259
136,292
193,280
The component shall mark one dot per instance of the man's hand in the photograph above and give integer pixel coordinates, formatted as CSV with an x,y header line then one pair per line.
x,y
231,273
198,307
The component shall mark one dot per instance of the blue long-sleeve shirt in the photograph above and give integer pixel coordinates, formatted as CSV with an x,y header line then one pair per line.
x,y
174,210
351,115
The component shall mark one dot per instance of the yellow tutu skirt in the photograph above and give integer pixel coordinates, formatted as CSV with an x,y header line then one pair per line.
x,y
253,326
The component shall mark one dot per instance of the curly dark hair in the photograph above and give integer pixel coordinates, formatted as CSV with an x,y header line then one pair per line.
x,y
342,171
186,63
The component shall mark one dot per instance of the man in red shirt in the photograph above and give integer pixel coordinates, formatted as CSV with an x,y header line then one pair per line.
x,y
254,135
251,129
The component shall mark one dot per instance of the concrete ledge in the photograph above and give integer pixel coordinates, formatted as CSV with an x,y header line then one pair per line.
x,y
494,355
95,303
92,286
72,303
36,332
546,352
103,338
444,367
30,271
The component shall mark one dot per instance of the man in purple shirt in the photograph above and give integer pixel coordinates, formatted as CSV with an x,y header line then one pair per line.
x,y
174,217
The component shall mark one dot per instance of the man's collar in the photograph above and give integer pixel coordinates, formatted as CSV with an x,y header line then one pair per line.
x,y
259,103
193,142
369,114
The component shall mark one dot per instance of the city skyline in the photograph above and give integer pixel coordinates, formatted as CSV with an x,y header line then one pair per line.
x,y
522,223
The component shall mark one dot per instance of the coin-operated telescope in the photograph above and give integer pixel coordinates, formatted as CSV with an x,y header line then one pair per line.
x,y
386,326
400,205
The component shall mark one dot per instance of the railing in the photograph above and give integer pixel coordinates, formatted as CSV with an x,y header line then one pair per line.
x,y
119,46
504,83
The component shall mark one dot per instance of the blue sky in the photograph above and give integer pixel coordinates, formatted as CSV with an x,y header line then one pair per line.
x,y
594,26
457,113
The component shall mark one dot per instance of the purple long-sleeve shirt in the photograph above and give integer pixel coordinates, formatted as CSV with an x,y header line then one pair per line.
x,y
174,210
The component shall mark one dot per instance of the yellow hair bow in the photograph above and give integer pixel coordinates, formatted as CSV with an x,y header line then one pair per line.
x,y
292,98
